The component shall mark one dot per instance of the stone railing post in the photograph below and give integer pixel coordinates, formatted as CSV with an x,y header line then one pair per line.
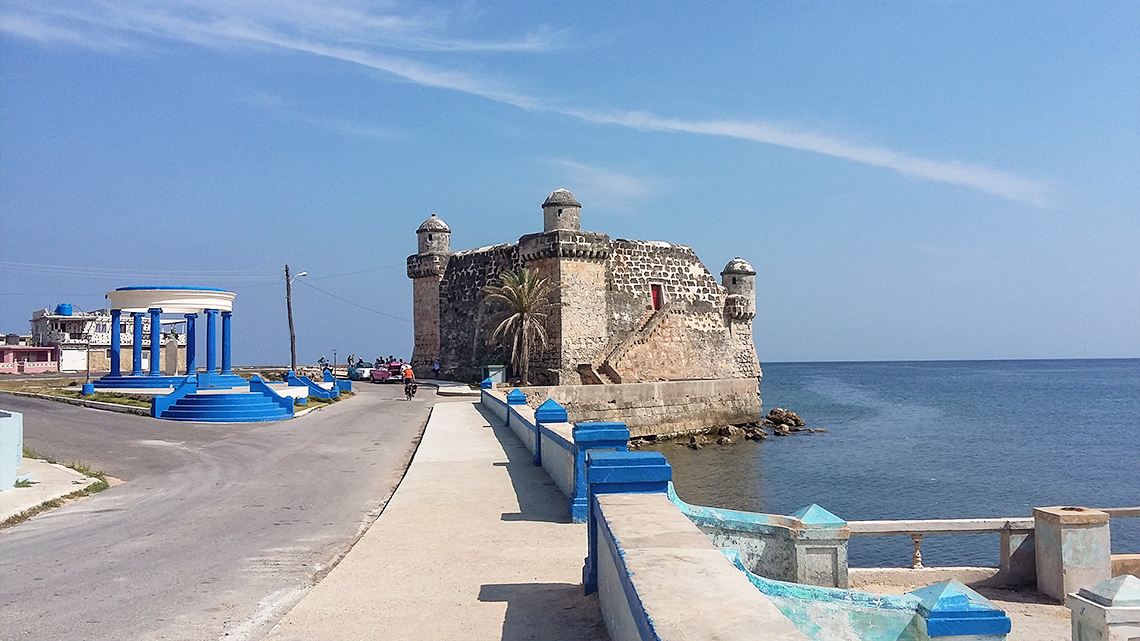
x,y
821,548
549,412
1018,562
1106,611
950,610
1071,549
618,473
592,437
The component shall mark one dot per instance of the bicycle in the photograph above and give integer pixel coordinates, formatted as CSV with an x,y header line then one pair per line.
x,y
410,389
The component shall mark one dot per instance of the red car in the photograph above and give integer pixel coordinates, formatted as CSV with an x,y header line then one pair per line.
x,y
393,371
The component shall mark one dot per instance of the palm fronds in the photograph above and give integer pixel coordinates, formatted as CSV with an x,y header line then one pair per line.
x,y
523,323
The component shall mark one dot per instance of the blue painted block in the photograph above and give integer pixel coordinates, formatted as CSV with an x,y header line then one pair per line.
x,y
618,473
627,472
487,383
602,435
88,389
952,609
592,436
819,517
516,398
550,412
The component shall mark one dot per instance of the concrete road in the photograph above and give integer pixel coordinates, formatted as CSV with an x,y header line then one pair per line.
x,y
218,530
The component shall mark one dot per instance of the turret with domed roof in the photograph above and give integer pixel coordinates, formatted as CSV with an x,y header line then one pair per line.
x,y
739,281
561,211
434,236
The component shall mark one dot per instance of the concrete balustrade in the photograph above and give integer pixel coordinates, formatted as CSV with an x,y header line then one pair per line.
x,y
658,576
808,547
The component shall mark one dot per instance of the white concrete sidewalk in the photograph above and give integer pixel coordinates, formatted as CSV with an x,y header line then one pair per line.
x,y
49,481
475,544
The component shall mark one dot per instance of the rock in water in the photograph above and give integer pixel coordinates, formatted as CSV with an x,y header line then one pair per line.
x,y
781,416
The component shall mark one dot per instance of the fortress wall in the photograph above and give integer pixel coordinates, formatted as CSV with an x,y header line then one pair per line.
x,y
545,363
666,407
584,329
694,341
464,319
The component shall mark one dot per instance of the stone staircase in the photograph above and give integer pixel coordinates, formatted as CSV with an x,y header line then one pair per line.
x,y
604,373
237,407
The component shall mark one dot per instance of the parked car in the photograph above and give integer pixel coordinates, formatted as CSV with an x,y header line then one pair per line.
x,y
360,371
393,371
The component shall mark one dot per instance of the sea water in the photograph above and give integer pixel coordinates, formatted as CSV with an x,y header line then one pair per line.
x,y
934,439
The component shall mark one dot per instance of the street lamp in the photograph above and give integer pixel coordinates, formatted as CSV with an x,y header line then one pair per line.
x,y
289,307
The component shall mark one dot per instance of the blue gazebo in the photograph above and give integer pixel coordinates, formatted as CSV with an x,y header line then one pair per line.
x,y
187,302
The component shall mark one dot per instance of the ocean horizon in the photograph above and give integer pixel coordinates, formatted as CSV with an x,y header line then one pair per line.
x,y
934,439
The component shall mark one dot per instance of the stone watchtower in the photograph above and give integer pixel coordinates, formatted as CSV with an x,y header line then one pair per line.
x,y
426,270
739,281
561,211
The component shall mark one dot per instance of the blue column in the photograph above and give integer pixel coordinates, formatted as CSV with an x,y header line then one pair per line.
x,y
191,345
116,340
136,345
155,339
226,342
211,341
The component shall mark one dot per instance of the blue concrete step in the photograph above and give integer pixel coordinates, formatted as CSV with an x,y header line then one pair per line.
x,y
225,408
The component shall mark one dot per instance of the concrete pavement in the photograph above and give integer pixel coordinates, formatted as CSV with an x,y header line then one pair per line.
x,y
49,481
474,544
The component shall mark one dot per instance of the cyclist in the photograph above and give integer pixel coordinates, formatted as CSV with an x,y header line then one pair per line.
x,y
409,381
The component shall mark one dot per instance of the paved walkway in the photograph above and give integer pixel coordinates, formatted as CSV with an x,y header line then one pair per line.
x,y
475,544
49,481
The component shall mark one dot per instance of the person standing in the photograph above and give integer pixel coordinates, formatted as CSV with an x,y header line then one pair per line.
x,y
435,369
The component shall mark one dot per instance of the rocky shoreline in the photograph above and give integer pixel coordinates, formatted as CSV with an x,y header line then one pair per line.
x,y
783,422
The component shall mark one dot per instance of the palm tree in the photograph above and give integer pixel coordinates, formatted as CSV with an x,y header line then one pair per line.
x,y
523,323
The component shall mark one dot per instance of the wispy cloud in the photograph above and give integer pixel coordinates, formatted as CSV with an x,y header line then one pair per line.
x,y
975,176
607,185
354,32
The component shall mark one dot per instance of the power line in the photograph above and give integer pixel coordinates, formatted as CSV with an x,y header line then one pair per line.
x,y
363,271
345,300
105,272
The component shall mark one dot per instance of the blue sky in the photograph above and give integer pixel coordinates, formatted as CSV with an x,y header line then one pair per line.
x,y
941,180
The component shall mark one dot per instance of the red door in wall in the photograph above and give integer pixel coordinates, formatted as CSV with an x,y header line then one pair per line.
x,y
656,290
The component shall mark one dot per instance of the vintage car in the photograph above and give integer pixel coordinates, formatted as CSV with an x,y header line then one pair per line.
x,y
360,371
393,372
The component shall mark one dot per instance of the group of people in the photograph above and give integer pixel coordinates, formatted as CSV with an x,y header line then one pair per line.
x,y
405,367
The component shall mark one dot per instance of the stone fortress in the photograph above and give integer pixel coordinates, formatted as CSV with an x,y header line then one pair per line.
x,y
625,311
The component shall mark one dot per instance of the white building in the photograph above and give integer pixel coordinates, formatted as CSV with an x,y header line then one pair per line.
x,y
78,333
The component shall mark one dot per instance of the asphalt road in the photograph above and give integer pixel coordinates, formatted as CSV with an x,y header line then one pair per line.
x,y
218,530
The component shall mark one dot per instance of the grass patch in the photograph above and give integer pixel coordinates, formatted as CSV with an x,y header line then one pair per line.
x,y
99,485
23,483
103,397
317,401
38,384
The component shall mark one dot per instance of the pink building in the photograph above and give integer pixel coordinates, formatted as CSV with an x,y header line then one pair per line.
x,y
25,359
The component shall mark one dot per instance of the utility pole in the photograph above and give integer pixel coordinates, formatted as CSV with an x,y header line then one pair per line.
x,y
289,307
